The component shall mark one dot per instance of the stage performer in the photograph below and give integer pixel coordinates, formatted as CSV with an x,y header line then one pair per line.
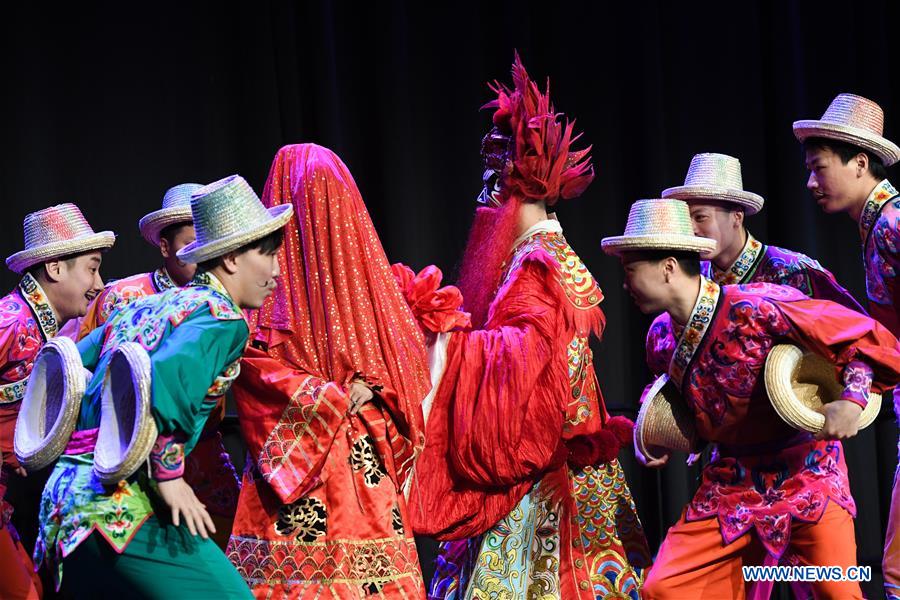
x,y
519,473
140,538
329,401
768,487
846,155
208,468
60,269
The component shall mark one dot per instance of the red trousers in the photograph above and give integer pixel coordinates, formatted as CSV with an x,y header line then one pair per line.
x,y
694,563
17,577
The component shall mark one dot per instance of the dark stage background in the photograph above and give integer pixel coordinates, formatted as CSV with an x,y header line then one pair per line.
x,y
107,107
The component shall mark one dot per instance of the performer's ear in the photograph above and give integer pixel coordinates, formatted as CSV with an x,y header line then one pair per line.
x,y
52,270
229,263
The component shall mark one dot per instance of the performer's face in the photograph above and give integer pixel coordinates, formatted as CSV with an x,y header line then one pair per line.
x,y
645,281
495,153
256,273
716,221
834,185
180,271
75,282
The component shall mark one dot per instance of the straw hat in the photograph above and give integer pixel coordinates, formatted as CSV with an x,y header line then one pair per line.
x,y
658,225
855,120
127,429
55,232
51,404
799,383
716,177
176,208
228,215
664,421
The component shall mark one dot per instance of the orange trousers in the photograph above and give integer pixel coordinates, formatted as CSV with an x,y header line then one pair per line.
x,y
17,577
693,562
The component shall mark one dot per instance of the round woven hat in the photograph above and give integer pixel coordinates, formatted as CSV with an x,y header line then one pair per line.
x,y
716,177
659,224
799,383
664,421
127,429
855,120
51,404
55,232
228,215
176,208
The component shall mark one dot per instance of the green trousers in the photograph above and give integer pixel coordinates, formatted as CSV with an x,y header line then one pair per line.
x,y
162,562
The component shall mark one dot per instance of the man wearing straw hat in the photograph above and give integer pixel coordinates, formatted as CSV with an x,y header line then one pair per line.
x,y
768,488
519,473
60,269
846,154
147,535
209,470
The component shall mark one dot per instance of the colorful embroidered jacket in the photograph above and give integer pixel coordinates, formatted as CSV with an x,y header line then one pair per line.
x,y
27,321
120,293
320,513
209,470
760,263
879,227
195,337
766,474
500,467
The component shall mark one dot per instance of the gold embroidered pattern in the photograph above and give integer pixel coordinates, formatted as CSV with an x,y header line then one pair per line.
x,y
306,519
363,457
581,380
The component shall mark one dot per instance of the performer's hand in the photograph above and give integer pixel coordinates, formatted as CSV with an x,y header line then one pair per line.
x,y
841,420
653,463
21,472
180,498
360,393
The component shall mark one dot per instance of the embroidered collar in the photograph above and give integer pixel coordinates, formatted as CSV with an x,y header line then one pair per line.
x,y
883,192
692,333
743,267
37,300
207,279
545,226
161,280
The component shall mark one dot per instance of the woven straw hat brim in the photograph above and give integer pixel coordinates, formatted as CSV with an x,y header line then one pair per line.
x,y
798,383
751,202
198,253
20,261
663,241
664,421
51,404
151,225
880,146
124,404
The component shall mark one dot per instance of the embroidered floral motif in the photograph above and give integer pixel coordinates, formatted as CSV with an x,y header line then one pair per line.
x,y
162,281
883,192
167,458
145,320
857,382
881,256
36,298
695,329
305,519
223,382
363,457
743,266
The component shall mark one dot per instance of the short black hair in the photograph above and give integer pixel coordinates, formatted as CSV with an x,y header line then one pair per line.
x,y
689,262
170,231
847,151
69,259
267,245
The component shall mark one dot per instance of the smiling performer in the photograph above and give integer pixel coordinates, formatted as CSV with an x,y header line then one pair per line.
x,y
519,474
61,275
208,470
768,487
139,537
846,154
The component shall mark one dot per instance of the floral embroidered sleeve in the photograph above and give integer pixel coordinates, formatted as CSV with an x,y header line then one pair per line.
x,y
196,352
167,458
857,383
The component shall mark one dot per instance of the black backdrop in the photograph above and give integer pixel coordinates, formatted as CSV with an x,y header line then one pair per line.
x,y
107,105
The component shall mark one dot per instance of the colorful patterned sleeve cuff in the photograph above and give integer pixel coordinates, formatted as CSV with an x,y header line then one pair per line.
x,y
857,383
167,458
